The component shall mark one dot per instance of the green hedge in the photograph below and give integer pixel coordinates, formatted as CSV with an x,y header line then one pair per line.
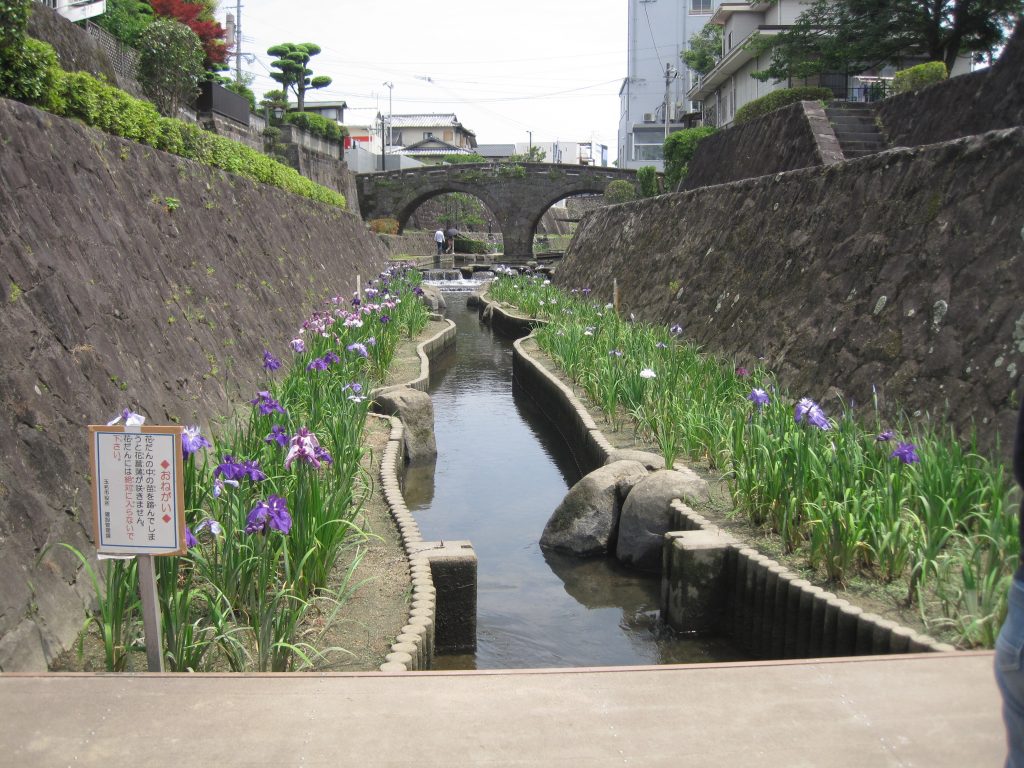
x,y
469,245
778,99
317,125
918,77
678,150
647,179
619,191
37,79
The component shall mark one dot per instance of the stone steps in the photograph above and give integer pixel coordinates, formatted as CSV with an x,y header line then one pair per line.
x,y
855,128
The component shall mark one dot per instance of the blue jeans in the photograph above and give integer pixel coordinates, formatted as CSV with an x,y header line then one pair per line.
x,y
1010,674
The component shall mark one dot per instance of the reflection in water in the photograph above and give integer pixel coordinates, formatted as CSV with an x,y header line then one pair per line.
x,y
500,473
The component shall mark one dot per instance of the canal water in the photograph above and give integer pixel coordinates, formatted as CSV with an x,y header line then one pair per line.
x,y
501,471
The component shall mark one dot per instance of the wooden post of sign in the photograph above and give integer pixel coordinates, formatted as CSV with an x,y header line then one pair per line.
x,y
615,294
151,614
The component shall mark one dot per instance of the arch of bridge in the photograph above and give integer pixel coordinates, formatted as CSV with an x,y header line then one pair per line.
x,y
516,194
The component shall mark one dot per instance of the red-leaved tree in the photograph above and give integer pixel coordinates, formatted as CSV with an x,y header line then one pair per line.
x,y
196,17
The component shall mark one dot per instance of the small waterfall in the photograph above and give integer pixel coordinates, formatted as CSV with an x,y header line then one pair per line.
x,y
453,280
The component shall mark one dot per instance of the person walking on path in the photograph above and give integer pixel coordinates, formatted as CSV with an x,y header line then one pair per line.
x,y
1009,659
439,239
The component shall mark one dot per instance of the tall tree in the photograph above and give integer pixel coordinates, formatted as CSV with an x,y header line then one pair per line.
x,y
703,49
855,35
293,73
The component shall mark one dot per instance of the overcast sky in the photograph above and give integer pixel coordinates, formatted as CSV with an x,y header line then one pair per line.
x,y
552,67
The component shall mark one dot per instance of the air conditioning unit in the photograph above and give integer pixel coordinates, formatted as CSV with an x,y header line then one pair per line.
x,y
648,117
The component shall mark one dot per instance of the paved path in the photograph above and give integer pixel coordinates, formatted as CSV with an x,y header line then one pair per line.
x,y
929,710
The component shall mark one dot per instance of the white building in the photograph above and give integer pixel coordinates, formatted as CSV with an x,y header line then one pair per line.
x,y
658,32
569,152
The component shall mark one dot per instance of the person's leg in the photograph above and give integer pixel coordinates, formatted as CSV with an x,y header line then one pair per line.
x,y
1009,664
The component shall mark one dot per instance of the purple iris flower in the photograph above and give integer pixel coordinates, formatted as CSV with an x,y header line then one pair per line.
x,y
190,539
268,515
317,364
676,329
586,291
614,353
384,319
230,469
884,437
331,358
661,345
192,440
305,446
759,398
270,362
266,404
417,291
358,348
323,456
212,524
219,483
298,345
131,419
906,453
811,411
251,469
277,435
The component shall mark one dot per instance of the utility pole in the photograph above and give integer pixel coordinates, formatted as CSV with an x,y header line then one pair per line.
x,y
391,133
529,152
238,41
669,74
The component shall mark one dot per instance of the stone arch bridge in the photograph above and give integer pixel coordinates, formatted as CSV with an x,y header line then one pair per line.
x,y
517,194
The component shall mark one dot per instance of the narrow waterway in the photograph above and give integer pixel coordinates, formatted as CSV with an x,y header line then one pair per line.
x,y
501,471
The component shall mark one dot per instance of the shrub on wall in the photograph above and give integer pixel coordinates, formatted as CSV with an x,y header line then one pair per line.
x,y
619,191
27,71
778,99
918,77
384,226
170,64
317,125
81,96
678,151
647,179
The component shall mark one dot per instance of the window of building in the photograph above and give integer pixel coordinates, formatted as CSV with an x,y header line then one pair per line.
x,y
428,135
700,6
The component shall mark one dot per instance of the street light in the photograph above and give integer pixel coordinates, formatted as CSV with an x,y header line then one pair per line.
x,y
529,152
391,134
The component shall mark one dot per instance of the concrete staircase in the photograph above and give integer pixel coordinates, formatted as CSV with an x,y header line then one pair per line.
x,y
855,128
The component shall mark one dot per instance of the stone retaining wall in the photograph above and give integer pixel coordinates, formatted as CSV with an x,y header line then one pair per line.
x,y
981,101
131,278
770,612
901,273
795,136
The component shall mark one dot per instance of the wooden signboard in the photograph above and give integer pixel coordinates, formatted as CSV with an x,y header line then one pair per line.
x,y
138,490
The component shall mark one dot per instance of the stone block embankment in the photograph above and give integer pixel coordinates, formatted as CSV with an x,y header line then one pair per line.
x,y
131,278
901,272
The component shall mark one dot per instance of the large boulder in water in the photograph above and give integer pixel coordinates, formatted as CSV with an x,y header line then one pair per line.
x,y
585,521
647,514
432,298
416,411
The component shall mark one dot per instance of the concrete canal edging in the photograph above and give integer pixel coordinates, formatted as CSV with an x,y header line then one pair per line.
x,y
442,612
712,582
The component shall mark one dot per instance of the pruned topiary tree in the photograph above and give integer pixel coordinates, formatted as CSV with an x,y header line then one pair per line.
x,y
293,73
